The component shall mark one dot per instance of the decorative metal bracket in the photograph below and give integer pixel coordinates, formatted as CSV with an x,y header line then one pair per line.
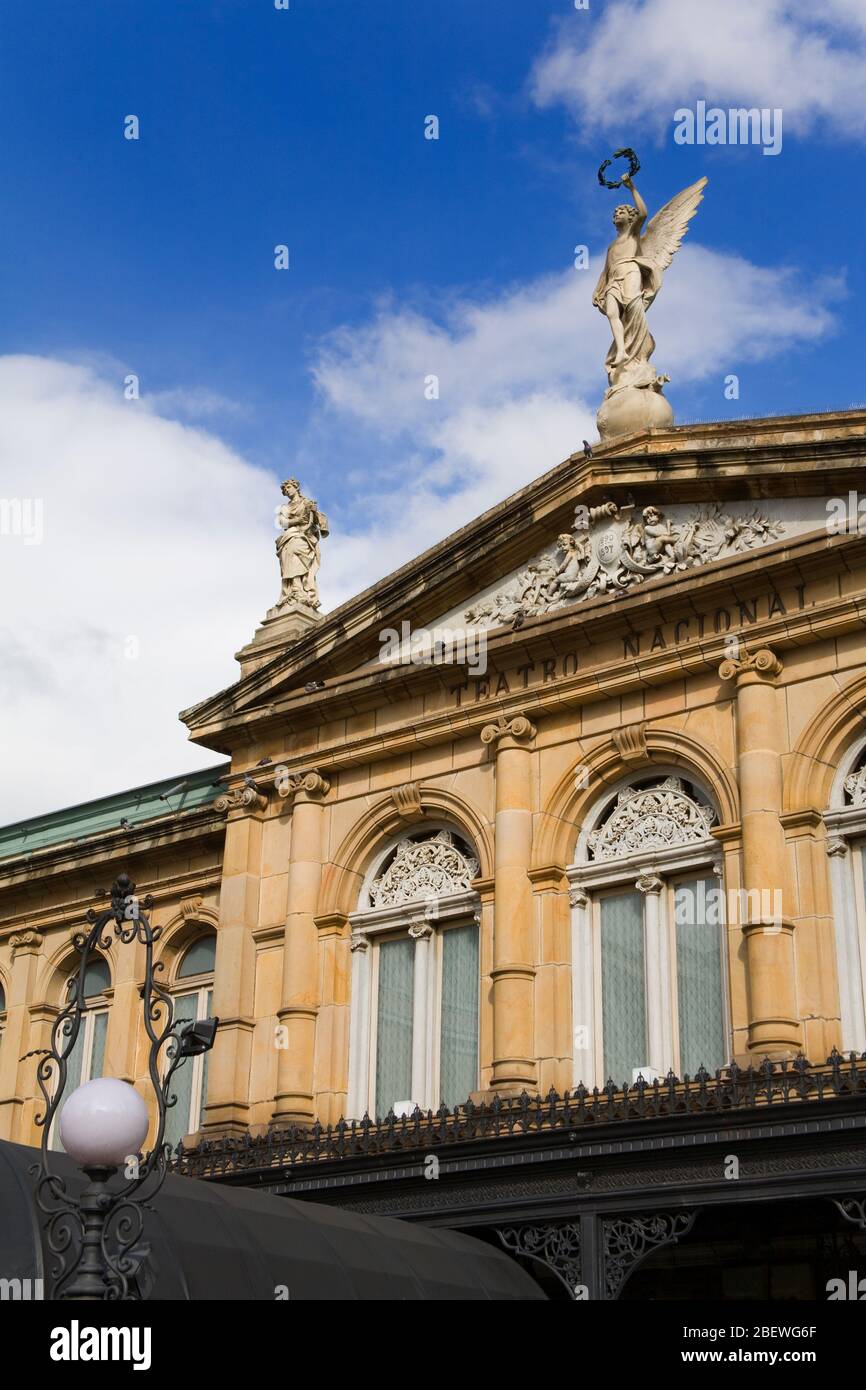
x,y
94,1241
555,1247
629,1240
853,1209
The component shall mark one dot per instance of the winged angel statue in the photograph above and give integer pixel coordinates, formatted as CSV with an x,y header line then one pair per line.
x,y
632,277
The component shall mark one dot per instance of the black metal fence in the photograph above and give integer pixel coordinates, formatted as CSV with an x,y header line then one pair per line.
x,y
772,1084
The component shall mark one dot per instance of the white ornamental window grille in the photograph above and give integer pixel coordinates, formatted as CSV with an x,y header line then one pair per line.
x,y
652,819
854,785
424,867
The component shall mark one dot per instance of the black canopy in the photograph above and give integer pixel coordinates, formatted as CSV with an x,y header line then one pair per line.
x,y
210,1241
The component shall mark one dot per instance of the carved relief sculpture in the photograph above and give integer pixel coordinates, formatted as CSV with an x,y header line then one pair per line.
x,y
610,551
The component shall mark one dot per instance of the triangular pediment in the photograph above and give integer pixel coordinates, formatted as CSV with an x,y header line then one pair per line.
x,y
613,548
599,530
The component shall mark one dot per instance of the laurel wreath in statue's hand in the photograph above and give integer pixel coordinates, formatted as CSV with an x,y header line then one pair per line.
x,y
633,167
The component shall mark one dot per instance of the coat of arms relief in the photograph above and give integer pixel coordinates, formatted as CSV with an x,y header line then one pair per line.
x,y
612,548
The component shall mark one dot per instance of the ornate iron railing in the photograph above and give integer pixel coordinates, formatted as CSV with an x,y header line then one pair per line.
x,y
731,1089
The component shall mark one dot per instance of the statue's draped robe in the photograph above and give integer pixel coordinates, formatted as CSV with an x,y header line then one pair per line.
x,y
639,343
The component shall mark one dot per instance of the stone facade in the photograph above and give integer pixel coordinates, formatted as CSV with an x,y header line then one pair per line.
x,y
687,697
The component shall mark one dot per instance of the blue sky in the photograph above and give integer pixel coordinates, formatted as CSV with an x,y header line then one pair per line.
x,y
408,256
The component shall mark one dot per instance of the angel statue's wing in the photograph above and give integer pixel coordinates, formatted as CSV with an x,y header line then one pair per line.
x,y
664,234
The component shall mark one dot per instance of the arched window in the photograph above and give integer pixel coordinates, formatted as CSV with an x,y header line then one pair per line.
x,y
415,978
648,936
193,995
86,1061
846,848
2,1011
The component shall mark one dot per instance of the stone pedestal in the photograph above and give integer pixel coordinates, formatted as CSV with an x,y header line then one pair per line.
x,y
633,410
282,626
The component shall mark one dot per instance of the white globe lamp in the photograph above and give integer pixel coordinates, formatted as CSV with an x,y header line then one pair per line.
x,y
103,1122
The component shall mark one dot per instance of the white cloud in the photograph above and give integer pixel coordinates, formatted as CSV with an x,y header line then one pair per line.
x,y
156,531
153,531
638,60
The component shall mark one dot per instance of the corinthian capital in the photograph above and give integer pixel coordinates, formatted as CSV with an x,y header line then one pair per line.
x,y
763,663
517,727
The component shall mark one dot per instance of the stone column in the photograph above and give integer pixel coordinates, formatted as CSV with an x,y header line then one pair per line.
x,y
297,1015
659,1058
848,968
765,913
422,1015
513,974
227,1109
582,993
359,1028
17,1078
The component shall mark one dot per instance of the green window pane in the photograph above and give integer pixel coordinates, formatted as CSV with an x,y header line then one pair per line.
x,y
458,1056
623,986
394,1024
177,1118
199,959
204,1061
700,1002
97,978
83,1063
97,1051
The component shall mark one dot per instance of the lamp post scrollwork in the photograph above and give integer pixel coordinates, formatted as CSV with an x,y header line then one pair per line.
x,y
93,1239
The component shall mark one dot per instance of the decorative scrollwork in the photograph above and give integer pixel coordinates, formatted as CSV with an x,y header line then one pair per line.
x,y
628,1241
422,869
557,1247
94,1240
855,786
652,818
853,1209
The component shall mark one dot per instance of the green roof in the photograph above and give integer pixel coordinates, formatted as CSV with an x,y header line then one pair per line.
x,y
165,798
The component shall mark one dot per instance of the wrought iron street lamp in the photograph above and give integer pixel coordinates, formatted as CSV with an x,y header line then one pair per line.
x,y
94,1244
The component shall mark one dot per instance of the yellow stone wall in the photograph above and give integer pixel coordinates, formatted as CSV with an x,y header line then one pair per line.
x,y
765,742
763,726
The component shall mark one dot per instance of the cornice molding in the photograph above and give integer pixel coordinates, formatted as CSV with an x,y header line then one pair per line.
x,y
819,622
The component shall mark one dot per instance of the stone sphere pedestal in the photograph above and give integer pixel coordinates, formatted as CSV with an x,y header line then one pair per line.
x,y
633,410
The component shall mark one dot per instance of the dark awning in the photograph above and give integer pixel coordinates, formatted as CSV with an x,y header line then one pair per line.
x,y
212,1241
